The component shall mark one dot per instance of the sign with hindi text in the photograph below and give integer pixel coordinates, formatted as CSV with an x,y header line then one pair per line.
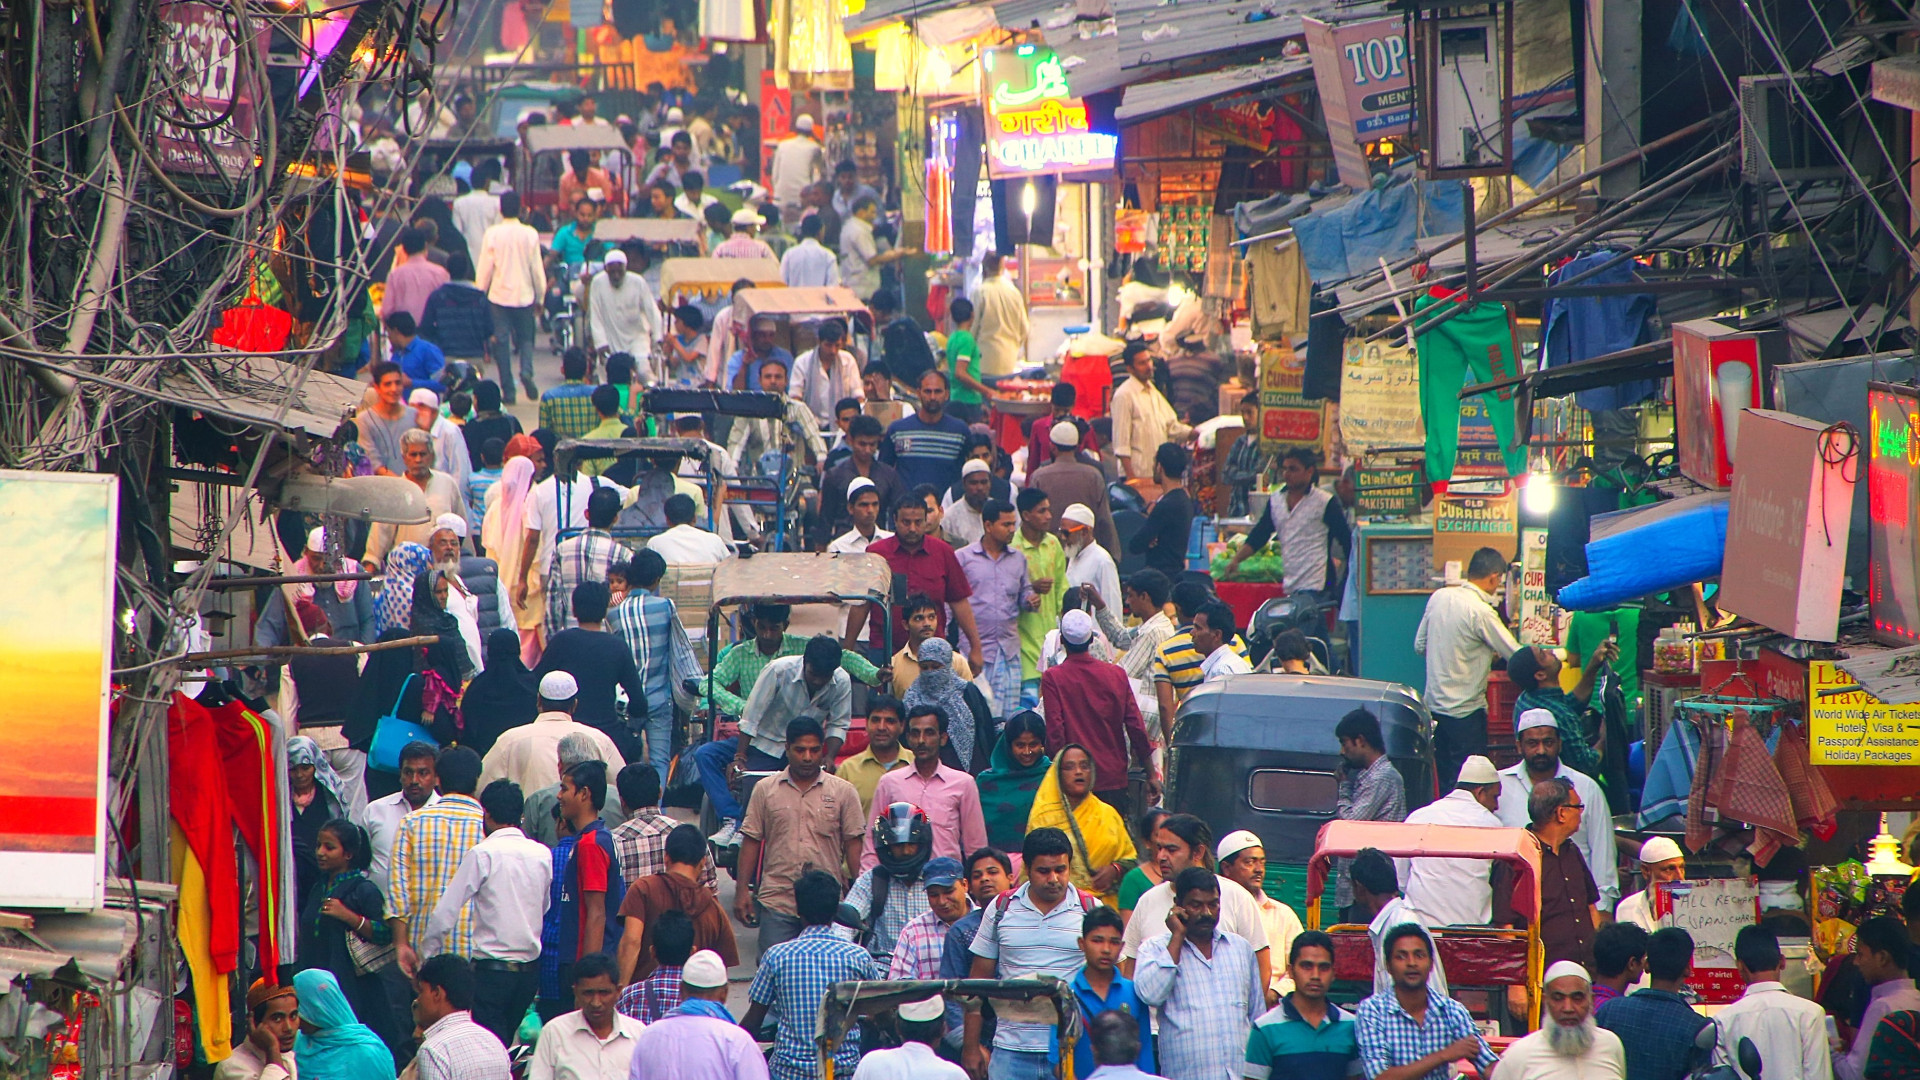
x,y
1035,126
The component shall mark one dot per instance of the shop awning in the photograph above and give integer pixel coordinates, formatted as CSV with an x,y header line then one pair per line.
x,y
251,388
1158,31
1143,101
878,13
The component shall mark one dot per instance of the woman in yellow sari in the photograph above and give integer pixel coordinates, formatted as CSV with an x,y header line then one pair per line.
x,y
1102,849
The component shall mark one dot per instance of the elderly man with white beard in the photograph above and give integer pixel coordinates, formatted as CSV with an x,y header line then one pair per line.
x,y
1569,1045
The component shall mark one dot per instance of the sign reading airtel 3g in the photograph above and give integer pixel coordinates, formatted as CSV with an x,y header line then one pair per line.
x,y
1035,126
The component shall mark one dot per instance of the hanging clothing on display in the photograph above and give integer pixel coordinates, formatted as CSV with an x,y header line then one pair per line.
x,y
1583,327
1326,348
1279,290
254,790
1477,345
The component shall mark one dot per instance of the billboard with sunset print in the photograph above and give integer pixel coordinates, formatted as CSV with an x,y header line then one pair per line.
x,y
56,624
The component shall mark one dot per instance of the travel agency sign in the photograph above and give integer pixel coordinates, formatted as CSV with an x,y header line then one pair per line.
x,y
1035,126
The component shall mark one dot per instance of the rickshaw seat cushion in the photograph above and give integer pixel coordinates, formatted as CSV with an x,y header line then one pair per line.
x,y
1470,960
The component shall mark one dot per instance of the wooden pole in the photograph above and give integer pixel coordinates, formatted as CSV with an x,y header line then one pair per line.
x,y
286,579
195,659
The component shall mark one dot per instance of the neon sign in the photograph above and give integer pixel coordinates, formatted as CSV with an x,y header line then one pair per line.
x,y
1035,126
1893,466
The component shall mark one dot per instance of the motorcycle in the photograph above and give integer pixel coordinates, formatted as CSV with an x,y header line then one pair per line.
x,y
1744,1052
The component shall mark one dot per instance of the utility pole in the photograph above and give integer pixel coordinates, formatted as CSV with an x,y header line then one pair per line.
x,y
1612,101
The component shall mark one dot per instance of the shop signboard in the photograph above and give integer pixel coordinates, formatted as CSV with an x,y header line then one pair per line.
x,y
1537,625
1787,527
1379,396
1712,912
57,535
1389,490
1719,371
1287,417
1463,523
1365,84
1035,126
197,42
776,110
1893,467
1852,727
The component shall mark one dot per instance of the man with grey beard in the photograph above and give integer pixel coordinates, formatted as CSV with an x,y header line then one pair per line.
x,y
1569,1045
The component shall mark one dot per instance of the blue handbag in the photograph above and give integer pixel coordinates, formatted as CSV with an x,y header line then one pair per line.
x,y
391,734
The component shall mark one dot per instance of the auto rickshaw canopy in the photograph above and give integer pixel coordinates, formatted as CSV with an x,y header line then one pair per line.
x,y
803,303
711,279
1519,849
847,1002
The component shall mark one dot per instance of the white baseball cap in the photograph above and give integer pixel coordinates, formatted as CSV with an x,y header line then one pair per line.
x,y
1660,849
1234,843
1078,514
1064,433
559,686
1076,627
424,396
974,465
803,123
1478,770
703,970
919,1012
453,523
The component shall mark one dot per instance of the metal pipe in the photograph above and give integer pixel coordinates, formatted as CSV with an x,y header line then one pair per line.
x,y
285,579
192,659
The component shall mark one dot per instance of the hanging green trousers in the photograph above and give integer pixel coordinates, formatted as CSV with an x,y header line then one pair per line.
x,y
1477,342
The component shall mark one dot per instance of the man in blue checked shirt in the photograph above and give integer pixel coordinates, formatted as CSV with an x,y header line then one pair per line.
x,y
1415,1032
649,625
795,976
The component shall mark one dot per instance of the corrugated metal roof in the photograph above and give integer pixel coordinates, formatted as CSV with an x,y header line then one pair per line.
x,y
1162,31
1142,101
879,13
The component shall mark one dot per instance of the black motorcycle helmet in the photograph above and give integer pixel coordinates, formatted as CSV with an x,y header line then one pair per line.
x,y
903,839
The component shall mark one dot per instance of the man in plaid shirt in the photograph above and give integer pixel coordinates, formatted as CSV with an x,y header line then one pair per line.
x,y
918,949
640,842
795,976
583,558
650,626
1415,1032
432,841
653,997
567,409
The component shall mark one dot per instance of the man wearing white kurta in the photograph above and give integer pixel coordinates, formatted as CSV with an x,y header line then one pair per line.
x,y
1456,892
623,314
999,320
1087,562
1595,838
1142,416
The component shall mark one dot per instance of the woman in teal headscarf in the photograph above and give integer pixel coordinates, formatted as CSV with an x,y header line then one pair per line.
x,y
333,1044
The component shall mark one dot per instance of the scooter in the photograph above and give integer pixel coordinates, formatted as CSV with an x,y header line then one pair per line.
x,y
1744,1052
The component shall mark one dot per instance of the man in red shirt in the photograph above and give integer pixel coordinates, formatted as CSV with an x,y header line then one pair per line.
x,y
930,567
1090,702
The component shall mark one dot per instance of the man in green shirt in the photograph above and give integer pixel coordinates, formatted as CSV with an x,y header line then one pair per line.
x,y
1047,572
963,363
606,405
741,665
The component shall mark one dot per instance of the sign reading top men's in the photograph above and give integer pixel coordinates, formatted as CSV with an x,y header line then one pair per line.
x,y
1035,126
1366,87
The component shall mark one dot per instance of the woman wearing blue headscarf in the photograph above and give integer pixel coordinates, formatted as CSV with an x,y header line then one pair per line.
x,y
345,912
394,608
333,1044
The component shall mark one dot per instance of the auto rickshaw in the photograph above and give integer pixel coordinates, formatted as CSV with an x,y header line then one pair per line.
x,y
801,579
656,479
1257,752
847,1002
543,158
1477,958
708,283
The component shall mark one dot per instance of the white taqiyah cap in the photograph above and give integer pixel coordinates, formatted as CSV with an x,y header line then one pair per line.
x,y
974,465
919,1012
1078,514
1660,849
558,686
1478,770
616,256
747,216
453,523
1076,627
317,539
1234,843
675,115
1064,433
803,123
703,970
1563,968
858,484
424,396
1534,718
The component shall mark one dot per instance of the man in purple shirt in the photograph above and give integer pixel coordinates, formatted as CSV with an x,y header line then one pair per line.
x,y
1880,954
699,1040
998,576
410,283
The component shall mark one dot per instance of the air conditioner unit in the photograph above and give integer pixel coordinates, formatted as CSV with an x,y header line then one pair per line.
x,y
1779,140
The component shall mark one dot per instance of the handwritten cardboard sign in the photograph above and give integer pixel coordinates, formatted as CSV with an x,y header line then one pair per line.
x,y
1711,912
1537,625
1379,397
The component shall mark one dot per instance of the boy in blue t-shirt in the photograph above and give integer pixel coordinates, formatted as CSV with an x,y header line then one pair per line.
x,y
1099,987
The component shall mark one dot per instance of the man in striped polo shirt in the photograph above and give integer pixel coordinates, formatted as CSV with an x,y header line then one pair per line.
x,y
1176,666
926,446
1305,1037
